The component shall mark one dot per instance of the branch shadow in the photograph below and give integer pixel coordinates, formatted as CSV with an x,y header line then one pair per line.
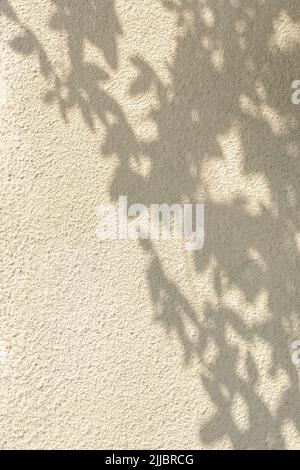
x,y
230,81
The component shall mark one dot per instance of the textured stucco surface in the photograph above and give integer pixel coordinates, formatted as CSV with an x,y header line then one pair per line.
x,y
123,344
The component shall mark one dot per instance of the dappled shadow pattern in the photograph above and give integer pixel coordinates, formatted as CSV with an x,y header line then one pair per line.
x,y
230,80
81,88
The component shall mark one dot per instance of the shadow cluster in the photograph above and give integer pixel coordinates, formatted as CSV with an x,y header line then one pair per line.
x,y
231,74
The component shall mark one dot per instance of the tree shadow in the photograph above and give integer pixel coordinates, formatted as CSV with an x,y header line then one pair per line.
x,y
230,95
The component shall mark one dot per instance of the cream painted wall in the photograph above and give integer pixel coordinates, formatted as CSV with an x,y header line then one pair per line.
x,y
120,344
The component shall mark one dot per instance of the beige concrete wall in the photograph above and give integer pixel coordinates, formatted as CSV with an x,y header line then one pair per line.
x,y
124,344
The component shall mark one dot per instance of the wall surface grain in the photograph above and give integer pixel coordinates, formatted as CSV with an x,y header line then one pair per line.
x,y
126,344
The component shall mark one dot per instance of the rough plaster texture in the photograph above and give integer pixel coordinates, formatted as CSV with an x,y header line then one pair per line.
x,y
123,344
